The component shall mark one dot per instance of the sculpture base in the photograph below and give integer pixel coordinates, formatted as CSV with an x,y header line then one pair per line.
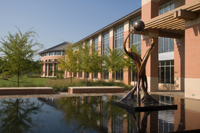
x,y
150,107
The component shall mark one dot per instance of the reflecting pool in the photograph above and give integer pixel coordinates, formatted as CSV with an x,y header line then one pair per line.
x,y
94,114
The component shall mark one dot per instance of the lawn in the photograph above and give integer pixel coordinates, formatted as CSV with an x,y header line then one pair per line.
x,y
56,84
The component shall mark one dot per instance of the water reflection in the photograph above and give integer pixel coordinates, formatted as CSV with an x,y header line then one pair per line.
x,y
15,115
95,115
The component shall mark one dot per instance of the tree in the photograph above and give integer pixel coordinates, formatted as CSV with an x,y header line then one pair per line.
x,y
18,52
91,62
70,61
114,61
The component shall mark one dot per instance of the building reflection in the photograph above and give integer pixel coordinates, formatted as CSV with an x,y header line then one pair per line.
x,y
96,113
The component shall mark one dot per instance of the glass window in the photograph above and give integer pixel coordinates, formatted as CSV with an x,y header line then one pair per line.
x,y
50,60
95,75
105,73
58,53
47,54
50,69
80,74
86,75
119,75
166,72
133,74
135,38
51,53
166,45
105,43
55,68
75,74
166,7
95,43
119,37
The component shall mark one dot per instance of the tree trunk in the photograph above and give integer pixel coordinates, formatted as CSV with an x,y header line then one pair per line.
x,y
71,77
18,78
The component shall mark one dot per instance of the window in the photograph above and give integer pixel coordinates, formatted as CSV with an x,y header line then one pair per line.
x,y
166,72
119,37
119,74
135,39
166,7
166,45
56,60
50,60
134,74
105,73
51,53
86,75
58,53
95,75
105,43
95,43
50,69
75,74
55,68
47,54
88,44
80,74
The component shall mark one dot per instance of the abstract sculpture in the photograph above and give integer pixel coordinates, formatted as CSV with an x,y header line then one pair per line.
x,y
141,71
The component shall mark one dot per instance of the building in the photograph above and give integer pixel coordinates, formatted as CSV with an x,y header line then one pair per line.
x,y
175,27
50,58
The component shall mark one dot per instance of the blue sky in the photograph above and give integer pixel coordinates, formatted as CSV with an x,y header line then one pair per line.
x,y
56,21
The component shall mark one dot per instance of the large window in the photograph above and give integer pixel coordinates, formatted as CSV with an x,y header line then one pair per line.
x,y
134,74
166,72
58,53
55,68
105,43
135,39
119,74
50,69
105,73
80,74
95,43
166,45
166,7
51,53
119,37
86,75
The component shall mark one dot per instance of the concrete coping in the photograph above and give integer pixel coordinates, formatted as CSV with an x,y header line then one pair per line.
x,y
97,87
24,88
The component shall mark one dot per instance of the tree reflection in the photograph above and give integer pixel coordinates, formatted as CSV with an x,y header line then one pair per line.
x,y
15,115
87,112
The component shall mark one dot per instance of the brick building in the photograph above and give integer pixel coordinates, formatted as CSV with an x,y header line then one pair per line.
x,y
174,63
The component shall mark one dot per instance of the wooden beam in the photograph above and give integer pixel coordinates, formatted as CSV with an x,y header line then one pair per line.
x,y
186,15
170,35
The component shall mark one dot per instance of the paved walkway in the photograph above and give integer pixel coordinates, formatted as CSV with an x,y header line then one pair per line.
x,y
67,94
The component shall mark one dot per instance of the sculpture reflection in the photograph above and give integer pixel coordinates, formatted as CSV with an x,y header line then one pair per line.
x,y
15,115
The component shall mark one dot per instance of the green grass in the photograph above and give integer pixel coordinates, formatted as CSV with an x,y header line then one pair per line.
x,y
57,84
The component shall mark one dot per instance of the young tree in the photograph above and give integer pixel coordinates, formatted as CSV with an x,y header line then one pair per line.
x,y
18,52
114,61
69,63
91,61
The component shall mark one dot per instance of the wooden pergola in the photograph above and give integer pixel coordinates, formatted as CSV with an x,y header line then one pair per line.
x,y
172,23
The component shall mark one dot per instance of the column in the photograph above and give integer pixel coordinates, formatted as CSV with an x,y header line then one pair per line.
x,y
111,46
179,64
100,52
126,71
150,10
47,69
53,69
192,61
91,74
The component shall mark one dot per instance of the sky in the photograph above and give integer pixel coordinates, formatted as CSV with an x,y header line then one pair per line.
x,y
56,21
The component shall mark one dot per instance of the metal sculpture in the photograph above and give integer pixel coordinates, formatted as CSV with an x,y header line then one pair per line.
x,y
141,71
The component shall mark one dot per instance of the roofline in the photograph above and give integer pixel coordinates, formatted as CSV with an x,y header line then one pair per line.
x,y
47,50
115,23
